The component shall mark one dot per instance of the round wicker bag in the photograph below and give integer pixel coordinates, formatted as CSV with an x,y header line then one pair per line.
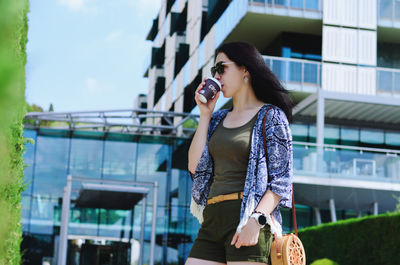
x,y
288,250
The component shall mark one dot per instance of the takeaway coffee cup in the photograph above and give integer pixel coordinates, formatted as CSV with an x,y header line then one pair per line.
x,y
210,89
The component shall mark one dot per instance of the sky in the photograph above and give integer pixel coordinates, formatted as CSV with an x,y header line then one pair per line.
x,y
88,54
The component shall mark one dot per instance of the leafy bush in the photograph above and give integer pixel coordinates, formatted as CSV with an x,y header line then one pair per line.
x,y
367,240
13,38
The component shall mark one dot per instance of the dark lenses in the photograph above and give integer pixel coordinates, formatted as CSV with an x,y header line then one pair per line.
x,y
218,68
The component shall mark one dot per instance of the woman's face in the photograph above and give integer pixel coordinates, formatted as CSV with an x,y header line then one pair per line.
x,y
232,78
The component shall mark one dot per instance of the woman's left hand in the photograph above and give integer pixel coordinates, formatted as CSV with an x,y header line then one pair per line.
x,y
248,236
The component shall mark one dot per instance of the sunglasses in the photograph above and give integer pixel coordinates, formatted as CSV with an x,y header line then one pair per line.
x,y
219,68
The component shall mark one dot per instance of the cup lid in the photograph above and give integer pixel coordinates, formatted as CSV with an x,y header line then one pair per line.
x,y
216,81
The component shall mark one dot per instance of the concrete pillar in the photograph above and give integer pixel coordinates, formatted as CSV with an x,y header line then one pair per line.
x,y
332,209
318,216
320,131
63,243
153,224
375,206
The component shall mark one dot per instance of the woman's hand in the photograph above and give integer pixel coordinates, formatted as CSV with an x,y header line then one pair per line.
x,y
248,236
205,108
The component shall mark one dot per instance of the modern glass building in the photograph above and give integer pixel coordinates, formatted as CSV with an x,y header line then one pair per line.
x,y
339,59
341,62
110,234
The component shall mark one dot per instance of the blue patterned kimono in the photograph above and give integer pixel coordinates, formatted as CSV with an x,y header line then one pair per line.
x,y
280,166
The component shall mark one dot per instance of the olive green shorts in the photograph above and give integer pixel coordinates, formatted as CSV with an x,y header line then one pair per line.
x,y
214,238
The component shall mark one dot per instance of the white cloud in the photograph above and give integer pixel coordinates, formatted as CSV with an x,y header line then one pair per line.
x,y
78,5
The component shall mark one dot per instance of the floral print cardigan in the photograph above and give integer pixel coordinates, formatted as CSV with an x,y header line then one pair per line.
x,y
280,166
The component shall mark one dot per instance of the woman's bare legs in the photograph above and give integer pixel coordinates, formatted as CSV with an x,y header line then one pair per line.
x,y
194,261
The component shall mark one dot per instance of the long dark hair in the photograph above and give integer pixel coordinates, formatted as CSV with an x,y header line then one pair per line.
x,y
266,85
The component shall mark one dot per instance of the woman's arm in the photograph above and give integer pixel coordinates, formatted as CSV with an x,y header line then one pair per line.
x,y
250,232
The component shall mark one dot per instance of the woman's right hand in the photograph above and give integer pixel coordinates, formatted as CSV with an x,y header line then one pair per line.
x,y
205,108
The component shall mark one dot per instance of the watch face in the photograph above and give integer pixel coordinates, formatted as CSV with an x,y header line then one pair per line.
x,y
262,220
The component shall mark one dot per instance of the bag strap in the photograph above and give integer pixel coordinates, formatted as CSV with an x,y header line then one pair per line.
x,y
269,179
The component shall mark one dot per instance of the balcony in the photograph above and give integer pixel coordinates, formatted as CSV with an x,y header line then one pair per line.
x,y
348,162
305,75
297,8
315,5
296,74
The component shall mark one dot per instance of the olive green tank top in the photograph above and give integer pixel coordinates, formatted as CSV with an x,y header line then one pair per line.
x,y
230,150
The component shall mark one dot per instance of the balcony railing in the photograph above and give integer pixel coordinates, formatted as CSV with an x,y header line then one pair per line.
x,y
305,75
346,162
389,13
388,81
309,5
296,74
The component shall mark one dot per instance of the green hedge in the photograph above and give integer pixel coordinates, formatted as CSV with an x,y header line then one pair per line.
x,y
367,240
13,39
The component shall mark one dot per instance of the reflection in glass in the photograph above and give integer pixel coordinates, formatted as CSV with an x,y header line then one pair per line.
x,y
25,212
348,134
279,69
372,136
311,73
311,4
150,158
396,88
86,158
296,3
51,166
385,8
295,72
42,214
385,81
392,138
119,160
396,10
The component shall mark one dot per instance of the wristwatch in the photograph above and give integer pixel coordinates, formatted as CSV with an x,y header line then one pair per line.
x,y
260,218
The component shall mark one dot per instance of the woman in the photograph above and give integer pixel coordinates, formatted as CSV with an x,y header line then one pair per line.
x,y
234,189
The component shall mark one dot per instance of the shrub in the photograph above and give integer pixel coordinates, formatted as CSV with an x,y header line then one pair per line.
x,y
367,240
13,38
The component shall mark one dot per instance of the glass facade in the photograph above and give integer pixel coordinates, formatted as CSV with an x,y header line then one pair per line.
x,y
56,153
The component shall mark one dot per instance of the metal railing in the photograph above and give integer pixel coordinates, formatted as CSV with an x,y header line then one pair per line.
x,y
309,5
296,74
347,162
134,121
305,75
